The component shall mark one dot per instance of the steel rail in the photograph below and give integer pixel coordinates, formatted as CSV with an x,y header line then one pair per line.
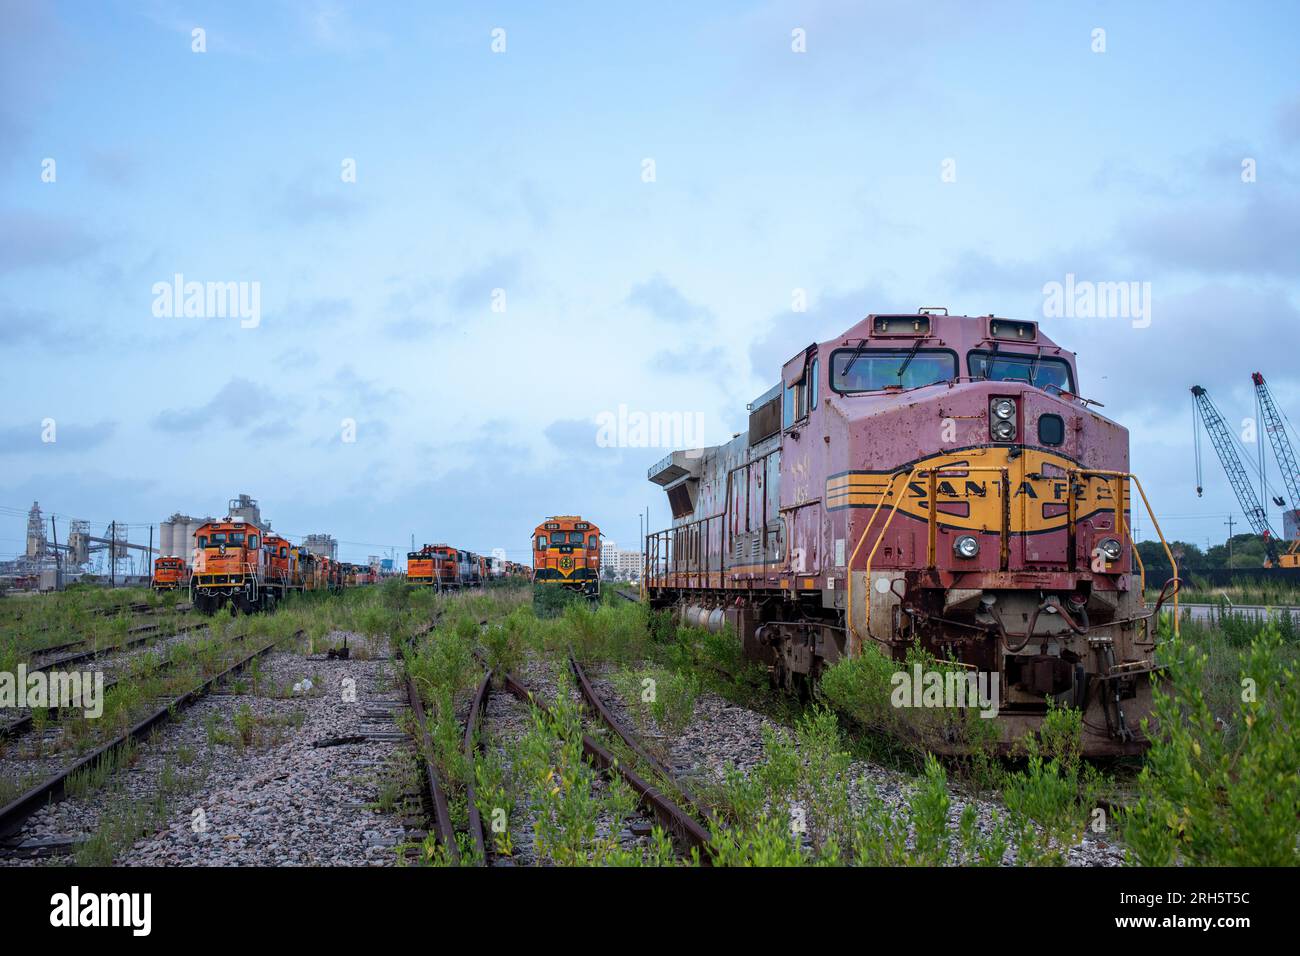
x,y
24,723
443,830
673,818
598,705
146,630
55,648
13,815
473,743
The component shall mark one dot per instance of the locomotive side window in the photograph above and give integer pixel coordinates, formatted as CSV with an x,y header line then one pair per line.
x,y
593,541
875,369
1050,374
541,542
812,385
796,401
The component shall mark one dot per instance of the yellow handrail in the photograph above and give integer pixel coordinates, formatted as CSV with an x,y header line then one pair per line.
x,y
854,556
1119,506
934,472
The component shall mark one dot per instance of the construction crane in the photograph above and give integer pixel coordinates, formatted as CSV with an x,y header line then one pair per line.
x,y
1275,426
1205,410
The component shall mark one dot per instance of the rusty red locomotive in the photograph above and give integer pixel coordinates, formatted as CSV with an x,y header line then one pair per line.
x,y
928,480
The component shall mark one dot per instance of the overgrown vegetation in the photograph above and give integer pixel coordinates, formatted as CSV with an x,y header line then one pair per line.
x,y
1221,783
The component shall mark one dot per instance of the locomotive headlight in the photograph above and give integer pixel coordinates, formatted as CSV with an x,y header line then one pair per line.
x,y
1003,430
1110,548
1004,408
966,546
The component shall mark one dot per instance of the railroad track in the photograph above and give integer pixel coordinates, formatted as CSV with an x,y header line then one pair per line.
x,y
143,608
25,723
136,636
682,824
14,814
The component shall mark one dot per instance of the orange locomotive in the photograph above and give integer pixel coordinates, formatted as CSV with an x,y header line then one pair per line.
x,y
566,552
170,574
446,568
238,565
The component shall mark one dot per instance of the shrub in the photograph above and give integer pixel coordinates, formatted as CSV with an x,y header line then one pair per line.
x,y
1222,792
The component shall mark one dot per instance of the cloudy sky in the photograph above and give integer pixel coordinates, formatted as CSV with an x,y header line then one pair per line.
x,y
615,209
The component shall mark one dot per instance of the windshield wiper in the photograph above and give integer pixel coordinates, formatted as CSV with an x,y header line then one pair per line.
x,y
862,344
916,347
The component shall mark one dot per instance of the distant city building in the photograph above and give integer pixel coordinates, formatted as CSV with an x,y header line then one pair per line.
x,y
617,563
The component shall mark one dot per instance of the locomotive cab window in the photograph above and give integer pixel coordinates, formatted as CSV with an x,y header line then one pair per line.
x,y
871,370
1049,374
593,541
541,542
812,385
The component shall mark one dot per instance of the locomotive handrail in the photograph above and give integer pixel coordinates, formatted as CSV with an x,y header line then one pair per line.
x,y
669,561
1119,513
932,472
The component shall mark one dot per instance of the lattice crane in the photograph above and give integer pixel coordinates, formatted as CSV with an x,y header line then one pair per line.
x,y
1208,415
1275,426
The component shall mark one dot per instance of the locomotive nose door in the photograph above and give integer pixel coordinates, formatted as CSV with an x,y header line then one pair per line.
x,y
1040,504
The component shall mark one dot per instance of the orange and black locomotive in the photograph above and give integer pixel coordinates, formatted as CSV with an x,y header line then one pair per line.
x,y
566,554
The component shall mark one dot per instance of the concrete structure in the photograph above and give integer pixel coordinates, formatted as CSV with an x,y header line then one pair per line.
x,y
177,535
322,545
248,509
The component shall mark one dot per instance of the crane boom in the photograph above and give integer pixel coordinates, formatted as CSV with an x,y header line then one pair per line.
x,y
1282,450
1221,438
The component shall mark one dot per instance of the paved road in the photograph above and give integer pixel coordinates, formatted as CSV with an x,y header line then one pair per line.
x,y
1205,612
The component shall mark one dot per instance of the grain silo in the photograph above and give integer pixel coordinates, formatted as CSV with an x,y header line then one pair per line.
x,y
165,538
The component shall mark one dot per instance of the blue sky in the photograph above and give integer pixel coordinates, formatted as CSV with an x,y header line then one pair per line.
x,y
523,171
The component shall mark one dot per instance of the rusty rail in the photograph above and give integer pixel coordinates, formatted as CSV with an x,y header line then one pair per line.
x,y
442,828
146,630
24,723
595,702
677,821
473,743
13,815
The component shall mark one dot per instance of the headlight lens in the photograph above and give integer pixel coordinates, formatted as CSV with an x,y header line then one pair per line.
x,y
1110,548
1004,408
1004,430
966,546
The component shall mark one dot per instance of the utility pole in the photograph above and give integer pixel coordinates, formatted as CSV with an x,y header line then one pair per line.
x,y
1229,523
58,564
